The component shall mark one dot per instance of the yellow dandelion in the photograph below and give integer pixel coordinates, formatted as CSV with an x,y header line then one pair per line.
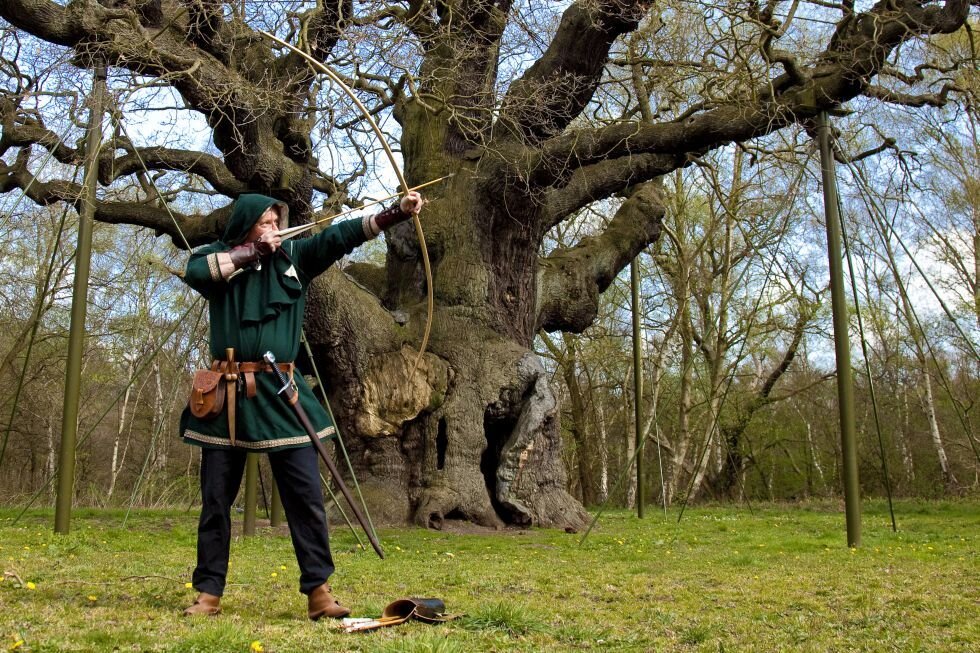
x,y
93,598
274,574
256,646
30,586
188,585
16,645
282,567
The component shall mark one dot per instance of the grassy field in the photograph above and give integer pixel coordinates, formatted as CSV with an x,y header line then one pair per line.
x,y
776,579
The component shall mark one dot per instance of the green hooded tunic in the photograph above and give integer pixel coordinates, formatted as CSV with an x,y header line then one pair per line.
x,y
259,311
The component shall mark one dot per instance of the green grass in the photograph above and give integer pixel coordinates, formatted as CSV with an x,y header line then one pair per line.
x,y
776,579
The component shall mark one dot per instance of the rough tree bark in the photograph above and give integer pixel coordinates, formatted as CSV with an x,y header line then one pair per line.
x,y
474,433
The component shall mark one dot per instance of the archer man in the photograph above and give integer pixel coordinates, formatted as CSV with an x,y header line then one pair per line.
x,y
256,287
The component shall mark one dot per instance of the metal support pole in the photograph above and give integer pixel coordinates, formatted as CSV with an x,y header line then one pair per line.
x,y
251,492
637,382
79,304
842,347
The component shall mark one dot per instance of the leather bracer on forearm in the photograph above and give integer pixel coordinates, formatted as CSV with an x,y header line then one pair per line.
x,y
390,217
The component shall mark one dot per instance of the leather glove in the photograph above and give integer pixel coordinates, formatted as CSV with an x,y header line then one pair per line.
x,y
390,217
249,253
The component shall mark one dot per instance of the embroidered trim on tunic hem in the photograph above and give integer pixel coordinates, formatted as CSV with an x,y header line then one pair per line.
x,y
264,444
214,267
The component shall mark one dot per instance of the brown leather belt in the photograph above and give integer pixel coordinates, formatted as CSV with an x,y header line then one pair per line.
x,y
243,372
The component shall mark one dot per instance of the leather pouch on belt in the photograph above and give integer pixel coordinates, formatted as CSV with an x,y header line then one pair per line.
x,y
207,394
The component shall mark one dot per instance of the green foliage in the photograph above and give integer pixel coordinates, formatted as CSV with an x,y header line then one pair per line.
x,y
777,578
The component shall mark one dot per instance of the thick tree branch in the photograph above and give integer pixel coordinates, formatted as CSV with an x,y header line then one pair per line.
x,y
856,53
326,25
320,30
925,99
66,25
18,129
206,25
601,180
198,229
570,280
559,85
246,106
211,168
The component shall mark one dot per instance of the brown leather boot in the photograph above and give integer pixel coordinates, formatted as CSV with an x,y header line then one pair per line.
x,y
205,604
322,603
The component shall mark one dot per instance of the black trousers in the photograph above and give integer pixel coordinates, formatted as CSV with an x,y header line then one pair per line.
x,y
297,475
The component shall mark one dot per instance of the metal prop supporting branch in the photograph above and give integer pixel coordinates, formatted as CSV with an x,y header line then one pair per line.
x,y
842,345
79,302
637,380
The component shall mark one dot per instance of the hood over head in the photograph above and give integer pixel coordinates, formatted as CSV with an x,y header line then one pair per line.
x,y
247,210
266,290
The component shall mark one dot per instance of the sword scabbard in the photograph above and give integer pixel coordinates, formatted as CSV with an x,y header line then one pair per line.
x,y
292,397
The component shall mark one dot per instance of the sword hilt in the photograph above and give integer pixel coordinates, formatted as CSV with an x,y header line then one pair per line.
x,y
269,358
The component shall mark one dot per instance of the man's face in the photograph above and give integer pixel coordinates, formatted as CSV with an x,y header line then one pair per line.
x,y
268,222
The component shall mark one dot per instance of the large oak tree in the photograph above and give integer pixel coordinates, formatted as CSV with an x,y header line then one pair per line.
x,y
539,111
